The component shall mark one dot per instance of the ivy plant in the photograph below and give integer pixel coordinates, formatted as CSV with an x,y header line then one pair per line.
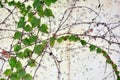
x,y
31,19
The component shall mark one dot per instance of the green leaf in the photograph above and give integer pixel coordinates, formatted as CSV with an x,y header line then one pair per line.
x,y
11,3
2,79
44,43
33,38
28,77
108,61
18,4
43,28
20,55
27,53
92,47
38,49
104,53
48,12
48,2
59,40
73,38
30,15
21,23
34,21
26,42
117,72
38,4
40,10
31,63
18,65
28,8
17,35
83,42
35,3
21,73
52,41
8,72
6,1
14,77
12,62
27,28
17,47
118,78
23,10
99,50
114,66
1,5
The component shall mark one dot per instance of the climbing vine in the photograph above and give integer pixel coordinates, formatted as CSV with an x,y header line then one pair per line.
x,y
27,41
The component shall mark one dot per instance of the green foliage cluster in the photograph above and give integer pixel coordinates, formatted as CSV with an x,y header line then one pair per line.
x,y
28,21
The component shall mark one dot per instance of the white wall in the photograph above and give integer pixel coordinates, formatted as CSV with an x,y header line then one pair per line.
x,y
78,63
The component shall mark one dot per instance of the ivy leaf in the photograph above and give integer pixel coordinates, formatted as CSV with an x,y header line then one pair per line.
x,y
44,43
117,72
83,42
104,53
23,10
92,47
38,4
52,41
27,28
12,62
108,61
21,73
17,35
28,77
18,65
35,3
30,15
118,78
73,38
20,55
40,10
1,5
99,50
33,38
114,66
28,8
48,2
34,21
17,47
2,79
38,49
8,72
11,3
21,23
48,12
14,76
31,63
43,28
59,40
26,42
27,52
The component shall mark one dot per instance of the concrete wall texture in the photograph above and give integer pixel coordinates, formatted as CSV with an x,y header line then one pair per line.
x,y
76,62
